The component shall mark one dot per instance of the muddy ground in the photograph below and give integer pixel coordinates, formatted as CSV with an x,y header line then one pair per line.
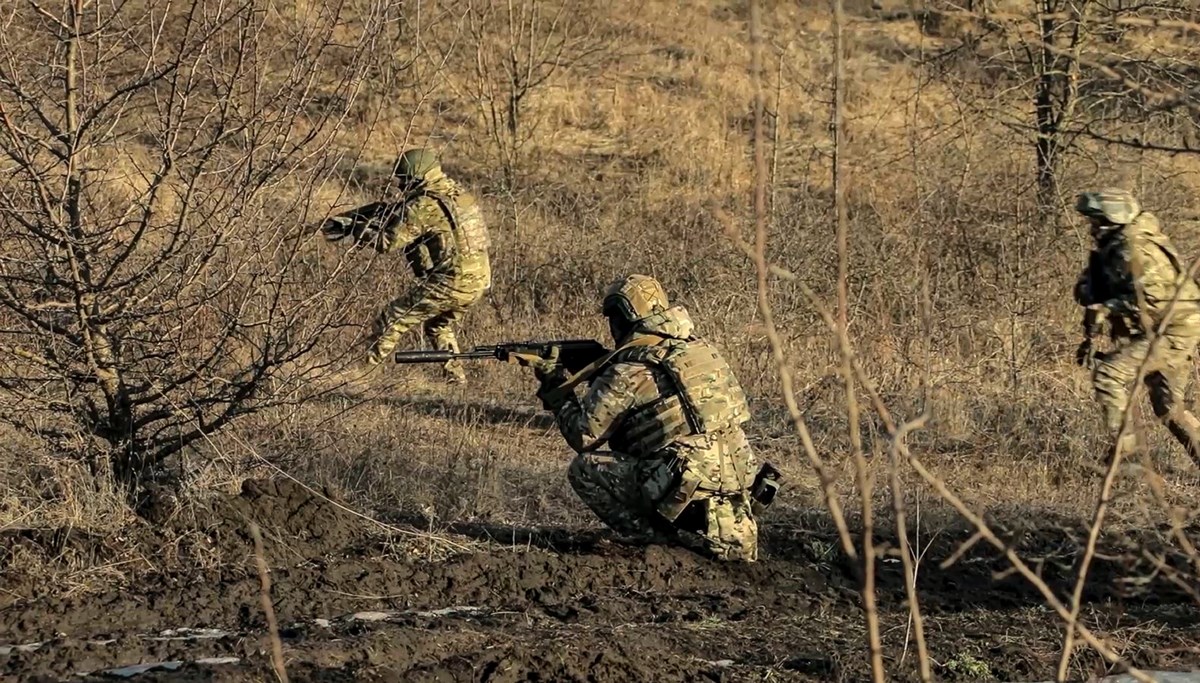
x,y
537,605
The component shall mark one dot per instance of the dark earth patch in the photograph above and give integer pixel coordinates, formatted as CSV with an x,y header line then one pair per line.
x,y
571,607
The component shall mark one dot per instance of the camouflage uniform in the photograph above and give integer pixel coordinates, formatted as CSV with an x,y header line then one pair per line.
x,y
440,228
1132,258
668,405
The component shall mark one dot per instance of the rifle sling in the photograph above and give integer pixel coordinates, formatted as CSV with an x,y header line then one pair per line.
x,y
590,369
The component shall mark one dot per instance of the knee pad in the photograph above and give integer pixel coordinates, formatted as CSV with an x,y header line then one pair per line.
x,y
1111,379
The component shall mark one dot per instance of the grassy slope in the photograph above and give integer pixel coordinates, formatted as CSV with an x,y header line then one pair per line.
x,y
626,155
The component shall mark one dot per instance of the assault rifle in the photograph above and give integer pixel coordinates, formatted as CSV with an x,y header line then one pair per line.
x,y
573,354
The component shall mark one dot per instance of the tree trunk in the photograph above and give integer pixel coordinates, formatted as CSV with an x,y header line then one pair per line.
x,y
1048,133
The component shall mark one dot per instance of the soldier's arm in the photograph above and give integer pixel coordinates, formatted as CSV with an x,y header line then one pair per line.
x,y
1085,295
359,223
587,422
419,216
1120,295
386,226
1085,287
1083,290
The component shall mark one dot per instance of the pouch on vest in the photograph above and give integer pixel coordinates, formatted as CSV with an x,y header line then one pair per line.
x,y
706,397
765,487
670,487
417,255
710,395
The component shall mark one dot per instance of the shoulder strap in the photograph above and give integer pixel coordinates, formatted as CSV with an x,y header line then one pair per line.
x,y
443,204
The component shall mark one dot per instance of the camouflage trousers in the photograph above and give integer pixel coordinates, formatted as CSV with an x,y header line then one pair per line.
x,y
1167,375
438,305
612,485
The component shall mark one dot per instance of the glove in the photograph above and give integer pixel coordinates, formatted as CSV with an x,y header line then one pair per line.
x,y
334,229
1083,354
1083,292
1116,307
551,398
542,367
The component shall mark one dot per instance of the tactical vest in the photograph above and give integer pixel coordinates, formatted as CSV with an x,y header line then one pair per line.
x,y
434,251
466,221
704,397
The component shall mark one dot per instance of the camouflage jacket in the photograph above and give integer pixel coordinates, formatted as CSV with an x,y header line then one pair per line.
x,y
640,407
1139,256
439,227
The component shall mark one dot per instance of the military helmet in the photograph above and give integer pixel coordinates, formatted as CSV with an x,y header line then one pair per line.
x,y
416,163
1112,205
634,297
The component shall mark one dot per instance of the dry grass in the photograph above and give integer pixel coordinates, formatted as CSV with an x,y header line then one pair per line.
x,y
627,156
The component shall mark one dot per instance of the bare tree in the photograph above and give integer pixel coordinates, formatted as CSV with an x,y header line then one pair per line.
x,y
158,164
535,41
1090,71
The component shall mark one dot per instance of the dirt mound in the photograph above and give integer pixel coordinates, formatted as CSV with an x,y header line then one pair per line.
x,y
305,522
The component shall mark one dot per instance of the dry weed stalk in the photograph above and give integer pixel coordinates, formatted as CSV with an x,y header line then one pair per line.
x,y
511,64
759,253
906,556
1086,80
862,476
983,530
260,560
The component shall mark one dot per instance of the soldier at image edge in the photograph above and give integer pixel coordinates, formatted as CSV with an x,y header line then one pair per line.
x,y
440,228
1132,253
680,470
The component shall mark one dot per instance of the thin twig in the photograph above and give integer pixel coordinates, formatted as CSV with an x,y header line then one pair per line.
x,y
944,492
862,476
265,595
910,574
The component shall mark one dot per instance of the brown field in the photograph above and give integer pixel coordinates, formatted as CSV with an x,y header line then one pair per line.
x,y
441,516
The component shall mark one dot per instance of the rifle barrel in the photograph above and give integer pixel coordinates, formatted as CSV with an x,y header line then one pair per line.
x,y
438,356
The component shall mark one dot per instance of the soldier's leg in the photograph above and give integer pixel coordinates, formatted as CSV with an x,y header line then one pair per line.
x,y
400,316
439,329
1112,381
721,527
610,485
1166,385
721,516
731,532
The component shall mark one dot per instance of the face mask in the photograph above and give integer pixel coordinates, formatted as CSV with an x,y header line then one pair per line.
x,y
405,186
616,327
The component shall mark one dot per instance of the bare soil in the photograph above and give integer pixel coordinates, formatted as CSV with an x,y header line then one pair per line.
x,y
541,605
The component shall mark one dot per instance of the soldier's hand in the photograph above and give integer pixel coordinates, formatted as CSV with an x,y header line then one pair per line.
x,y
1083,354
1116,307
334,229
549,391
542,367
546,368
